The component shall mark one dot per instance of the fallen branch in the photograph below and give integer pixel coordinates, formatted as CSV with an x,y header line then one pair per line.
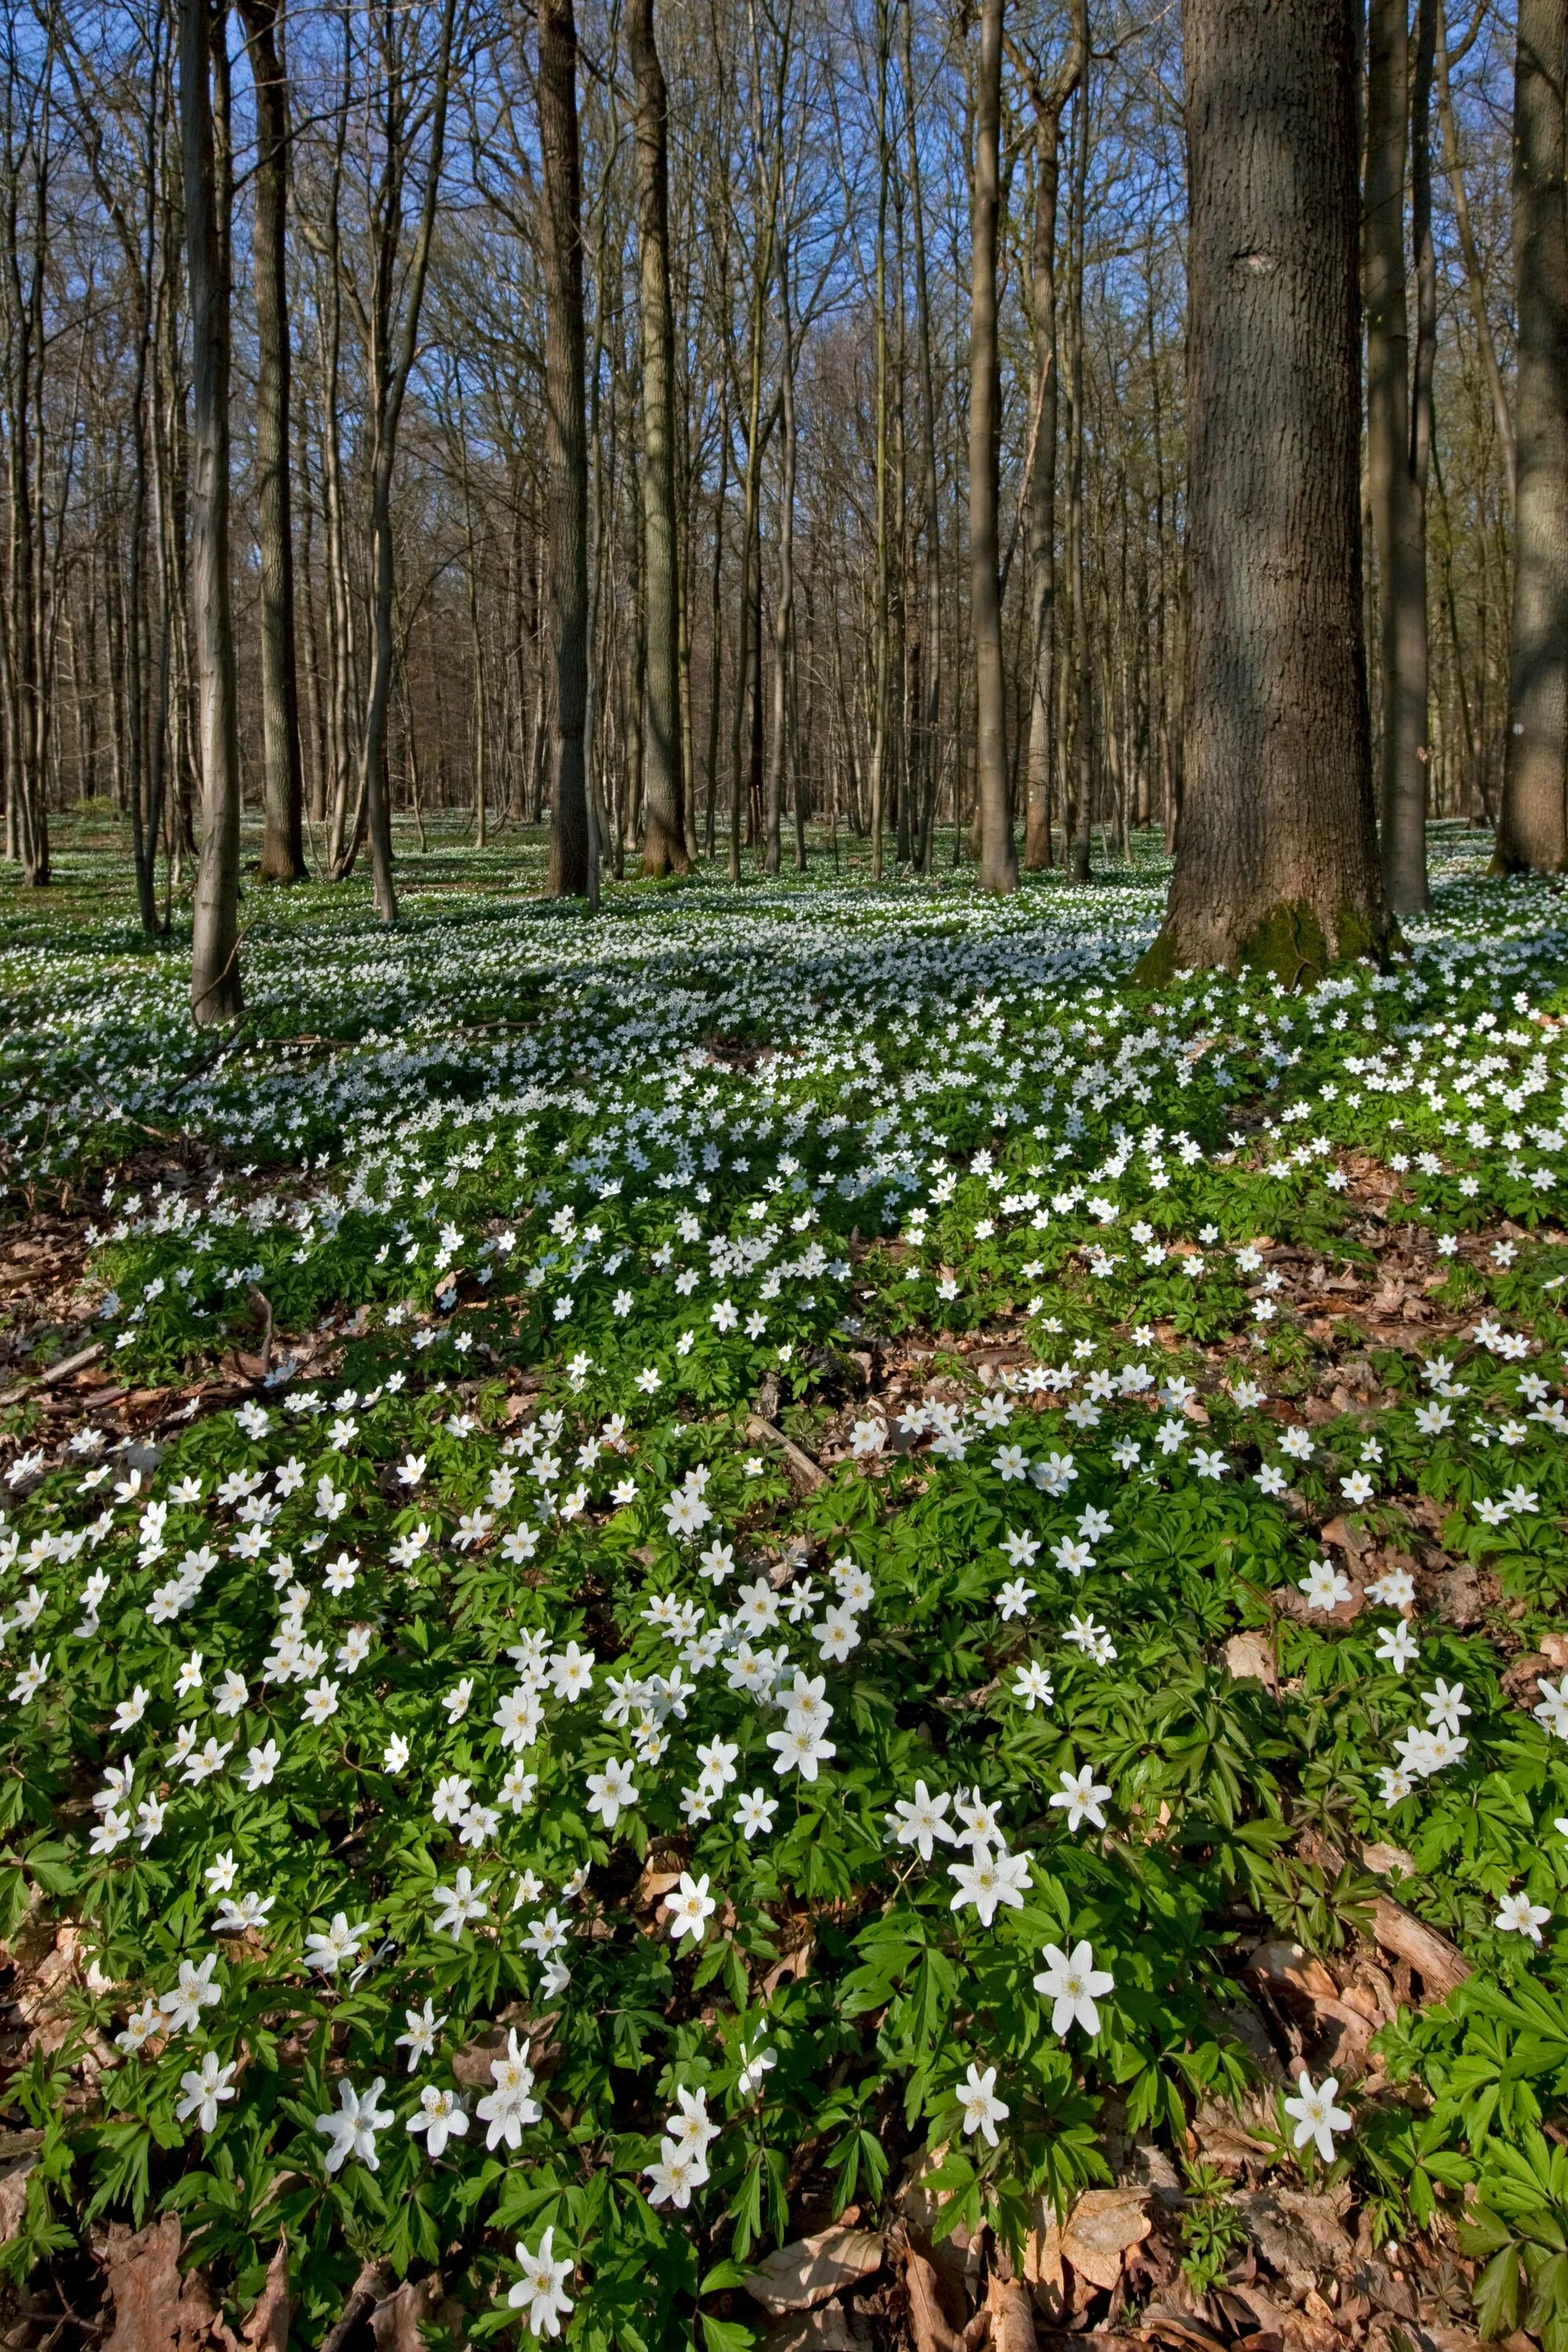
x,y
1440,1965
368,2289
60,1371
810,1474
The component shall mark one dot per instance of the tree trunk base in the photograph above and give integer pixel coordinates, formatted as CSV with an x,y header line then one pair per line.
x,y
1289,941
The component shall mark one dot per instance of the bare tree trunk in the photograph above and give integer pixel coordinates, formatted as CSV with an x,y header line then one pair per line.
x,y
1277,855
1533,832
998,858
282,796
1399,517
1048,100
214,973
1078,678
664,839
566,441
784,616
1475,282
930,646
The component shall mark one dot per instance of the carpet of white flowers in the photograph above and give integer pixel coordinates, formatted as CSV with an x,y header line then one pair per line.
x,y
771,1534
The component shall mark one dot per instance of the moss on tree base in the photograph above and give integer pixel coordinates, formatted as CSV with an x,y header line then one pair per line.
x,y
1288,941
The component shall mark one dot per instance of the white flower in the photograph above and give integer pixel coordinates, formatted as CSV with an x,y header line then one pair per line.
x,y
1325,1585
1519,1915
341,1942
441,2117
352,2129
982,2110
1034,1686
919,1821
204,2092
540,2293
679,2170
689,1908
1317,2118
611,1790
1074,1984
755,1814
1080,1797
457,1904
511,2106
799,1749
420,2039
988,1880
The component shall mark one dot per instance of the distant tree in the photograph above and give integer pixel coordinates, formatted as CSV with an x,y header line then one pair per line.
x,y
1277,850
215,947
282,785
664,838
998,856
566,442
1533,831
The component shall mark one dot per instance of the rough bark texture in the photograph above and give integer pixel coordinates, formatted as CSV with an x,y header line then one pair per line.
x,y
1276,852
566,442
998,858
214,964
1531,835
664,839
282,790
1398,518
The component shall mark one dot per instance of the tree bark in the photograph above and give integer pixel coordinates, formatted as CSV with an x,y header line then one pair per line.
x,y
664,837
1399,517
282,791
998,858
1276,854
566,443
1532,835
215,967
1047,99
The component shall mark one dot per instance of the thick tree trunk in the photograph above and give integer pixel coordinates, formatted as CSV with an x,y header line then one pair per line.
x,y
1531,835
1398,518
282,791
566,443
214,971
998,859
664,838
1277,855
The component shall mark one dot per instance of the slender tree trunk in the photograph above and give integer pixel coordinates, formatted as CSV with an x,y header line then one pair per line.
x,y
566,443
1475,282
664,838
1047,101
1533,832
1398,518
784,616
1277,857
282,791
929,728
998,858
215,969
1080,680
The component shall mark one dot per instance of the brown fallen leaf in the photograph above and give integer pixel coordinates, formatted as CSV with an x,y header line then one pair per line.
x,y
155,2309
1101,2226
397,2318
1250,1657
1011,2316
14,2197
266,2325
828,2328
812,2269
924,2297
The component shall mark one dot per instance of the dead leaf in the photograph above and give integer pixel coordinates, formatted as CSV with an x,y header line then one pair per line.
x,y
1299,2235
1101,2226
397,2320
1042,2261
829,2329
266,2325
1347,1535
929,2322
14,2197
811,2270
156,2310
1250,1657
1012,2320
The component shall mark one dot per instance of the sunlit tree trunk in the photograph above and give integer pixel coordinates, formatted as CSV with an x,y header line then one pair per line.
x,y
1277,854
566,442
998,858
1533,831
214,948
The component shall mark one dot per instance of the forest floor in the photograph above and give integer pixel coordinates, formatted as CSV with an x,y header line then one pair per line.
x,y
781,1620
